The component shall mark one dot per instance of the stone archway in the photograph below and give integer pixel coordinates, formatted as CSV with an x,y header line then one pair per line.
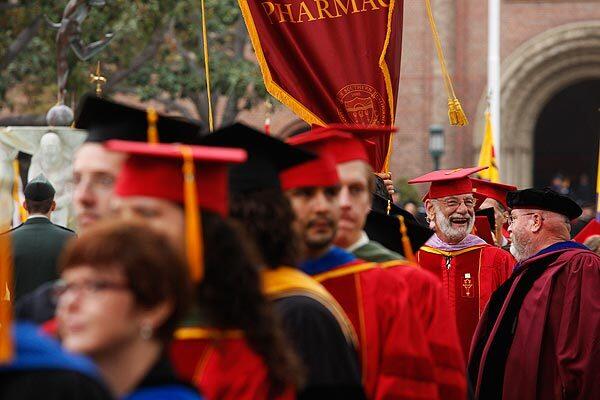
x,y
531,76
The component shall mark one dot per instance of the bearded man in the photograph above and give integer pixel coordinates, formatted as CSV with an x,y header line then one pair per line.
x,y
538,338
469,268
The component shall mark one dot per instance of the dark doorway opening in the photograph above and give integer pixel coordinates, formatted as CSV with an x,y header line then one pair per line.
x,y
566,138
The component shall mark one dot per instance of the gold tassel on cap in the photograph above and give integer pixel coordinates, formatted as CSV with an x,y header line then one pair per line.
x,y
193,223
152,131
6,346
456,115
408,252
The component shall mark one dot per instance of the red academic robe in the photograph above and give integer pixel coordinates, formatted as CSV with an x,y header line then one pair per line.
x,y
469,277
427,300
222,365
227,368
538,338
394,355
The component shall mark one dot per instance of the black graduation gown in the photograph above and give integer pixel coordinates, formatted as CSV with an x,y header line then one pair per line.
x,y
331,362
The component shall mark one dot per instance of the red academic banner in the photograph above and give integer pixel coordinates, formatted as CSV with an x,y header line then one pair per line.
x,y
331,61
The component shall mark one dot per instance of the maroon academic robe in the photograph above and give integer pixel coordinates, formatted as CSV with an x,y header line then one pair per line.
x,y
427,300
469,277
539,337
394,355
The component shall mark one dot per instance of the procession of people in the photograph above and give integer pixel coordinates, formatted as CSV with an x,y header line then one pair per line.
x,y
235,265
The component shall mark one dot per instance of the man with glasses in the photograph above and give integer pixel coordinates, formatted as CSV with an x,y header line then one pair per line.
x,y
538,338
469,268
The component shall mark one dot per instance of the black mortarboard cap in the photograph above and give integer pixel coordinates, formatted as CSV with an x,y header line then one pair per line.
x,y
544,199
385,229
39,189
267,157
105,120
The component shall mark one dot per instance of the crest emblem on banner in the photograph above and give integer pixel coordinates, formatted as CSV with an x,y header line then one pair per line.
x,y
361,110
361,104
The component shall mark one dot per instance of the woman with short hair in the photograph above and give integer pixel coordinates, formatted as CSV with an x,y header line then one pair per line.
x,y
123,290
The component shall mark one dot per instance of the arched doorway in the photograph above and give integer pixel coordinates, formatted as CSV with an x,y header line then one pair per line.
x,y
566,135
532,76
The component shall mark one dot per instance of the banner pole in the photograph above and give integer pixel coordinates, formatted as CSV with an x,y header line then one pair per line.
x,y
206,67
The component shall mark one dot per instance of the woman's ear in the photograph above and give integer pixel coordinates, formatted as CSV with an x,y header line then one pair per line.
x,y
156,316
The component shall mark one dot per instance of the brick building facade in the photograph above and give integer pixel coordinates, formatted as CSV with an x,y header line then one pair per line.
x,y
546,46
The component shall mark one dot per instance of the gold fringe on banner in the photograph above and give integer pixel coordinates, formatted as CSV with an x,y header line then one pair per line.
x,y
388,84
456,115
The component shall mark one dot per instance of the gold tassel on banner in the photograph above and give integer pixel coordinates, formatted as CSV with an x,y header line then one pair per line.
x,y
193,222
6,346
406,246
456,115
152,131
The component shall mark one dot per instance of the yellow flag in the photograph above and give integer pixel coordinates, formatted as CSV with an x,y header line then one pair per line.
x,y
487,155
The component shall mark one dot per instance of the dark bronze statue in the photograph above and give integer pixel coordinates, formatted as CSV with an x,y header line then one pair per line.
x,y
69,35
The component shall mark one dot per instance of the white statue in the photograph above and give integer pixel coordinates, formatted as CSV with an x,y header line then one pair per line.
x,y
55,164
52,152
7,179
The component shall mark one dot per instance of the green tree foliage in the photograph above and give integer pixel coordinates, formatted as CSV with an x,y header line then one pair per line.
x,y
156,54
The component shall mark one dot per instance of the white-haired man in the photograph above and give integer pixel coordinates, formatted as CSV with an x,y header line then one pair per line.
x,y
469,268
538,338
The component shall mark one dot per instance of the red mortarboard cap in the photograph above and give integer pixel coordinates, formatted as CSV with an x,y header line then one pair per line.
x,y
155,170
319,172
340,145
193,176
323,170
360,146
492,190
448,182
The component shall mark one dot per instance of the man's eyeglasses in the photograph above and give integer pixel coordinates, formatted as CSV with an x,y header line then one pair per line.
x,y
87,287
513,218
455,203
